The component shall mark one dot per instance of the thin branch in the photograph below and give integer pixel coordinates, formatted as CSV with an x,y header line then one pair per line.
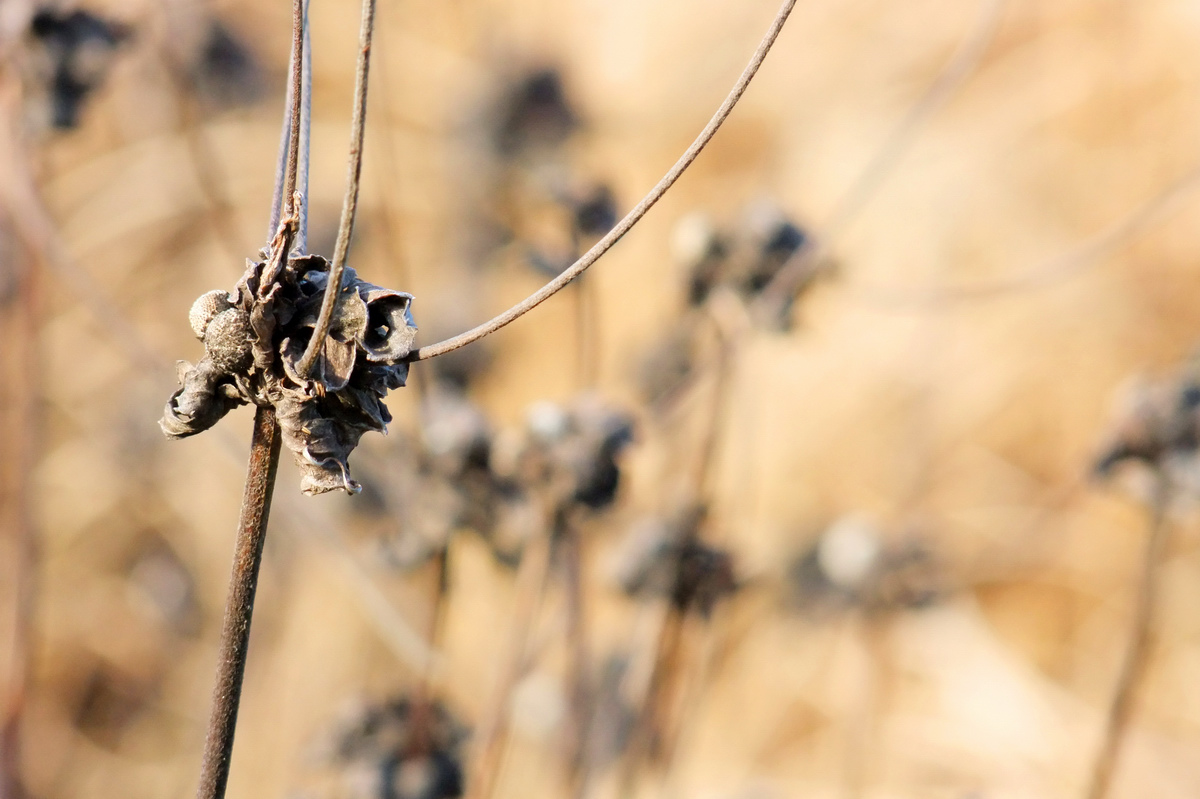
x,y
633,217
1134,666
333,289
301,242
288,207
1061,267
235,630
17,524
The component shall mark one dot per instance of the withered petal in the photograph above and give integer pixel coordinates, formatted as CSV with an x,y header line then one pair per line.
x,y
200,403
390,330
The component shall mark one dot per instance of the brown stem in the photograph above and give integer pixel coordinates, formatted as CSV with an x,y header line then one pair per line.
x,y
531,581
333,289
570,547
645,739
633,217
1133,668
235,630
16,516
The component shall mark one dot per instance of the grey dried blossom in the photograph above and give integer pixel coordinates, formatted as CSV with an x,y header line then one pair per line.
x,y
405,748
1157,425
533,114
254,338
71,55
746,259
667,558
850,564
569,454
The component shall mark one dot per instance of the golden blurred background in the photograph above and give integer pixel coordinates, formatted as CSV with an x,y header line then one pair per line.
x,y
1001,193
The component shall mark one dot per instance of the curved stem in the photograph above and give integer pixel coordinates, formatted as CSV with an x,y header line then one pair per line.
x,y
333,288
633,217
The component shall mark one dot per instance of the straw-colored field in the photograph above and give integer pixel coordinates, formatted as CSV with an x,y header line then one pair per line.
x,y
1006,192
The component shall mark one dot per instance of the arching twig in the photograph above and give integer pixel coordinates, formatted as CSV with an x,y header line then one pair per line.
x,y
633,217
333,288
1049,273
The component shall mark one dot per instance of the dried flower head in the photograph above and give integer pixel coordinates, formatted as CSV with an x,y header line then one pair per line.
x,y
224,70
851,565
569,454
73,51
746,259
667,558
1158,425
533,114
404,748
254,338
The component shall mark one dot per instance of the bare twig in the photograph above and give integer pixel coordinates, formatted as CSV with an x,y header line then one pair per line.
x,y
1061,267
633,217
235,630
1134,666
333,289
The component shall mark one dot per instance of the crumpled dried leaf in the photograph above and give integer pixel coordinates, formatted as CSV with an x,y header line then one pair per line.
x,y
253,341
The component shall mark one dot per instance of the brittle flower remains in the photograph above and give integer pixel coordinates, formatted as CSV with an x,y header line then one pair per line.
x,y
254,338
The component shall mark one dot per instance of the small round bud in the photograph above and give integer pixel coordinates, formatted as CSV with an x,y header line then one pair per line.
x,y
205,308
227,340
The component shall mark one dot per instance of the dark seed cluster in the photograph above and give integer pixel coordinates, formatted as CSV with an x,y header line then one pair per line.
x,y
404,748
1158,426
505,487
71,54
851,565
667,558
254,339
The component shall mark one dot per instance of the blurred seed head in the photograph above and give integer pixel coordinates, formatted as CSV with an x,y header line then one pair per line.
x,y
851,564
665,557
1157,424
533,114
405,748
71,52
224,70
595,212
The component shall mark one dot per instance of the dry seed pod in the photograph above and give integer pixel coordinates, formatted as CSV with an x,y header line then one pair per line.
x,y
1158,425
402,749
252,348
71,55
850,564
666,558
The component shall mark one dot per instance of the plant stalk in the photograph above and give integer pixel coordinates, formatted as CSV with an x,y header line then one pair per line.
x,y
243,583
1134,666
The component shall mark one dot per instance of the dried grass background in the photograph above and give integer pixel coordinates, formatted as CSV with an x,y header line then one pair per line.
x,y
1032,247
